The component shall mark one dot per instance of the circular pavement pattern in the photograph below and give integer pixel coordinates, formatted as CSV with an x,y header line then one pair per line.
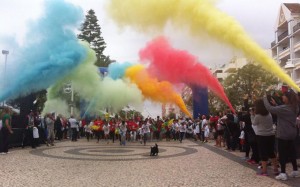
x,y
111,153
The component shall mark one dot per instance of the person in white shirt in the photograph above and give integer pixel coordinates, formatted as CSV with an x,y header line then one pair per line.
x,y
74,125
106,131
175,130
146,131
196,130
182,130
36,136
140,133
88,130
123,131
204,121
206,132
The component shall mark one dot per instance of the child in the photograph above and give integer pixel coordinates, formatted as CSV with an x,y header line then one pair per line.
x,y
36,136
106,131
206,133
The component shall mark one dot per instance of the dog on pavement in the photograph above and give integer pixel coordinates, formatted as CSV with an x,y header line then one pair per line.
x,y
154,150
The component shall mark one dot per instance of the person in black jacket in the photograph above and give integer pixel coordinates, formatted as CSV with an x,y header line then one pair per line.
x,y
232,132
58,128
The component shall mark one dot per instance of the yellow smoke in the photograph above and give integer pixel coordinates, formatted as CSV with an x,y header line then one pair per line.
x,y
197,16
158,91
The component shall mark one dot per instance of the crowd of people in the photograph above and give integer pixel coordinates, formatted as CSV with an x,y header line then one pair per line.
x,y
268,131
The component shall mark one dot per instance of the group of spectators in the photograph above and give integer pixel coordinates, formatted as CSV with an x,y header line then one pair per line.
x,y
251,130
270,130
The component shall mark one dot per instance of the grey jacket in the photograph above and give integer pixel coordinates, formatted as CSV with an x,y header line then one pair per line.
x,y
264,124
286,120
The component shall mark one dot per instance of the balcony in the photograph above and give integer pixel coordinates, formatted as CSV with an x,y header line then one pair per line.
x,y
273,44
283,35
296,61
296,27
284,52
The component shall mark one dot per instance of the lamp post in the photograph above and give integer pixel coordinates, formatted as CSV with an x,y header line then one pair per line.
x,y
69,90
5,52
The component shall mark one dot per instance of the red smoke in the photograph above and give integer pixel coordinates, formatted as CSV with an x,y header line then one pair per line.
x,y
178,66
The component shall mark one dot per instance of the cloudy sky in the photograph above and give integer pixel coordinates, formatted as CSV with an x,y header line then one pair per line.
x,y
256,16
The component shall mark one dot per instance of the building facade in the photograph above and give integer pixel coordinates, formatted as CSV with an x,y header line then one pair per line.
x,y
286,46
224,71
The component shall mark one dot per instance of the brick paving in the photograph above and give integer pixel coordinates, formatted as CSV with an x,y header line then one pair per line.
x,y
87,164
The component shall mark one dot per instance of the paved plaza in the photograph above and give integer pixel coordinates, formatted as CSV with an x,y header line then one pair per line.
x,y
87,164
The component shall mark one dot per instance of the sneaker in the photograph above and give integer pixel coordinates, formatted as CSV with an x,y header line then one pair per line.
x,y
260,173
281,176
252,162
294,174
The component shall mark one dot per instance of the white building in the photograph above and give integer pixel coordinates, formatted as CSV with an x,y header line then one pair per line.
x,y
286,47
222,72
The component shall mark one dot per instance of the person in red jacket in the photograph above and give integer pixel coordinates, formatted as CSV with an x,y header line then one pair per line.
x,y
134,128
98,122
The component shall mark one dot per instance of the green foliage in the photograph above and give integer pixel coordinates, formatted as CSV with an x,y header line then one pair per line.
x,y
171,115
249,82
91,32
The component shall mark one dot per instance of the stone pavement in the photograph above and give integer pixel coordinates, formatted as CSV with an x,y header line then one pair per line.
x,y
87,164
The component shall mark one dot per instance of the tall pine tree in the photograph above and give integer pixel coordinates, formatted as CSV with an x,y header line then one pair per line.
x,y
91,32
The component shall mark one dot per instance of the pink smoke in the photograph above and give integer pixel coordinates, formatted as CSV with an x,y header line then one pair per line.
x,y
178,66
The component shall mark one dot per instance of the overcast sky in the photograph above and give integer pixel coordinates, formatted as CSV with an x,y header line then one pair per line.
x,y
256,16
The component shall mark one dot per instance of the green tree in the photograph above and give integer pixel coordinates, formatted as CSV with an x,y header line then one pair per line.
x,y
91,32
249,82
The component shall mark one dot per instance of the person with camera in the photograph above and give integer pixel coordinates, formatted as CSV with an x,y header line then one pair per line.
x,y
286,130
265,137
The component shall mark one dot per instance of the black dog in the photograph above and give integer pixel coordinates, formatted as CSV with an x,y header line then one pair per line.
x,y
154,150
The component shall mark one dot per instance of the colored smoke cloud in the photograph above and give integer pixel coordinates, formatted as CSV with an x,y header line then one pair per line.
x,y
117,70
153,89
99,93
177,66
51,50
58,106
196,16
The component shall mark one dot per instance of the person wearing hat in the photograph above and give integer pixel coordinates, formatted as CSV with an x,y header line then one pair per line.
x,y
286,131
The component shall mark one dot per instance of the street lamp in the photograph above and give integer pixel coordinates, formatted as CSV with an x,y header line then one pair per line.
x,y
69,90
5,52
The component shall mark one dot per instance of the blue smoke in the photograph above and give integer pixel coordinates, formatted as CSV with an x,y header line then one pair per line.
x,y
117,70
50,52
